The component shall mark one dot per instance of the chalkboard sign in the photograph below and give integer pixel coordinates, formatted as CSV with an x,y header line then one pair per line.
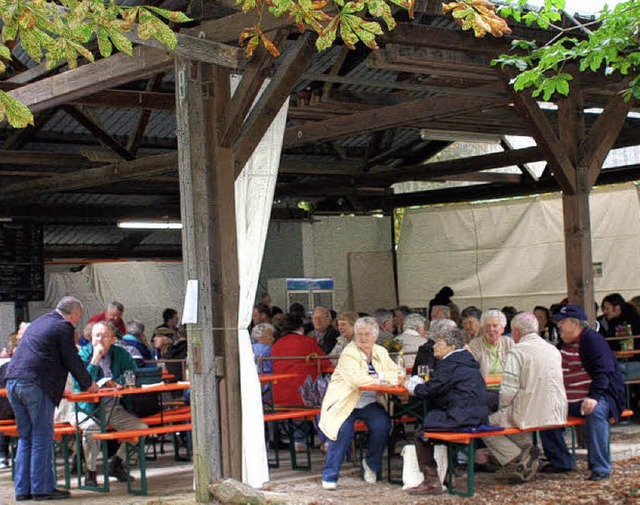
x,y
21,262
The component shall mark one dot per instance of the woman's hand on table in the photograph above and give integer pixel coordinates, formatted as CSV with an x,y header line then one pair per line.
x,y
411,383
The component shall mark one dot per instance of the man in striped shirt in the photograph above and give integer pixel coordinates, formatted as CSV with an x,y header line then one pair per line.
x,y
595,391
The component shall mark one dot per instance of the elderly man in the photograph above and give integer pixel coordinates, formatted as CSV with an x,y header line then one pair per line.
x,y
36,376
413,336
384,318
106,363
531,395
324,333
595,391
112,314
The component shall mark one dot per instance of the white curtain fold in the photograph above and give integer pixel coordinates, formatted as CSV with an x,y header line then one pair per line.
x,y
254,191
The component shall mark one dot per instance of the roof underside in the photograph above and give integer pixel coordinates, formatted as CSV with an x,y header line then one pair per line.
x,y
351,164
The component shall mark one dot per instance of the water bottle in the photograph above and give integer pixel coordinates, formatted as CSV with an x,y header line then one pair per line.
x,y
402,371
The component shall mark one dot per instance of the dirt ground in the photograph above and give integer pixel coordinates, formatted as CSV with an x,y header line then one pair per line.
x,y
171,483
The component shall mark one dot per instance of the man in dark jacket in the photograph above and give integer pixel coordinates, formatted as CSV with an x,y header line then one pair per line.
x,y
595,391
36,378
456,394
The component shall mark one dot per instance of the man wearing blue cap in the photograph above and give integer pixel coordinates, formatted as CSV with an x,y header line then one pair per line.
x,y
595,391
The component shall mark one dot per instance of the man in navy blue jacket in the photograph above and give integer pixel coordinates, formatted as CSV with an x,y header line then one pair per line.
x,y
36,378
595,391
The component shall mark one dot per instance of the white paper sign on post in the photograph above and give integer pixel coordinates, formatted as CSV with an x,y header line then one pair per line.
x,y
190,310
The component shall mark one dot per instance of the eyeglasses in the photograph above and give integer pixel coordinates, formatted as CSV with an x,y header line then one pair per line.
x,y
102,337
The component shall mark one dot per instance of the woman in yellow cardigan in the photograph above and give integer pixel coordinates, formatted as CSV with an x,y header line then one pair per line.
x,y
362,362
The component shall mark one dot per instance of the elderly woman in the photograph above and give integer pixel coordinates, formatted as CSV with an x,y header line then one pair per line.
x,y
346,320
491,348
426,354
361,363
456,394
413,336
470,322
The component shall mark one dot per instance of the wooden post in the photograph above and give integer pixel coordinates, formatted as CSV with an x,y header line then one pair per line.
x,y
576,158
575,206
210,256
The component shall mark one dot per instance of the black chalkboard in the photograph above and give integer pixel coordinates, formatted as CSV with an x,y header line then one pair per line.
x,y
21,262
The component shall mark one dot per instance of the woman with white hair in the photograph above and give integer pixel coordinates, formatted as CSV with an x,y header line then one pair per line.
x,y
413,336
361,363
425,355
491,348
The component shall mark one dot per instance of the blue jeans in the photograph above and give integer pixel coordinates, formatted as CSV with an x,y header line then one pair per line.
x,y
34,417
596,439
379,424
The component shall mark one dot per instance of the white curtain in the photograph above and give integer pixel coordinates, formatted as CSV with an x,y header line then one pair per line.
x,y
254,196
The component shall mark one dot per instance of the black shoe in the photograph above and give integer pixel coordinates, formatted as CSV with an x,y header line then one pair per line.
x,y
117,470
598,476
56,494
23,497
485,467
549,468
91,479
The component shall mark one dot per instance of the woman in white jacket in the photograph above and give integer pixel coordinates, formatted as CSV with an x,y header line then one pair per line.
x,y
362,362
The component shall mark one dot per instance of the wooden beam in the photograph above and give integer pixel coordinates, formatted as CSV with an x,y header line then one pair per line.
x,y
541,130
21,136
135,137
252,79
443,38
602,136
46,159
228,29
91,78
140,168
291,66
425,109
197,48
98,132
128,100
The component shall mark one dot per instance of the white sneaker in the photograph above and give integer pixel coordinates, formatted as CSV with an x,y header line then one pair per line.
x,y
370,476
4,464
330,486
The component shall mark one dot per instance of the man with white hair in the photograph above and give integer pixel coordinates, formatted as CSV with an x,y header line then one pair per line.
x,y
413,336
532,394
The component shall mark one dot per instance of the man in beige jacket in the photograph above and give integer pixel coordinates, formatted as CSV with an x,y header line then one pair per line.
x,y
531,394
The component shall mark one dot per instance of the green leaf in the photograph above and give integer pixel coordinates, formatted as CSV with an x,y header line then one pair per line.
x,y
104,43
18,115
173,16
122,43
5,52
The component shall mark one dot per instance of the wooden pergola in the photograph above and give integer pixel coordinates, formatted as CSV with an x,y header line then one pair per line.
x,y
354,130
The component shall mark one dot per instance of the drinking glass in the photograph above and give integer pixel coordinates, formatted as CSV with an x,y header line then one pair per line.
x,y
129,379
424,372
